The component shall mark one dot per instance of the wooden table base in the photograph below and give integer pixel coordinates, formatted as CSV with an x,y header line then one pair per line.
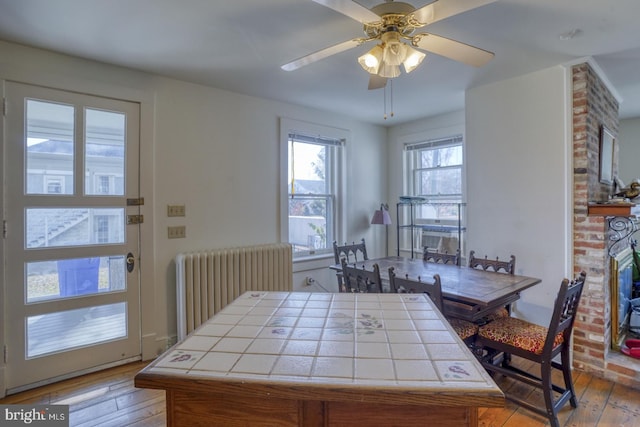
x,y
195,409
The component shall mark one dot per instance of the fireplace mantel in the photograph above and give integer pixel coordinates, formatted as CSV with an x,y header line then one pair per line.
x,y
610,209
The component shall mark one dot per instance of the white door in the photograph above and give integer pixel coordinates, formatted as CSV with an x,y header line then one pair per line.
x,y
72,285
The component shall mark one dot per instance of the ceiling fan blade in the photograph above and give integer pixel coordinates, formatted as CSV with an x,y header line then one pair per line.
x,y
321,54
351,9
453,49
377,82
442,9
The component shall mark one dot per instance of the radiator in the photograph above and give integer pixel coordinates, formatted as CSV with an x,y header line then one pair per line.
x,y
208,280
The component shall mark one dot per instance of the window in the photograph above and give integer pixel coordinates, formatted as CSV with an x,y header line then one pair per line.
x,y
314,189
102,228
103,184
54,184
435,172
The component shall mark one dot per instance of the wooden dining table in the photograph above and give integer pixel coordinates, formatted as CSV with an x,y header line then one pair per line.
x,y
468,293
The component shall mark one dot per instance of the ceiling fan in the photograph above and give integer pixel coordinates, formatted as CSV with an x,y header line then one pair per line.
x,y
392,23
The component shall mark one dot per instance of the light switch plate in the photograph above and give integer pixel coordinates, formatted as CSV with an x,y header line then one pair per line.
x,y
177,232
175,210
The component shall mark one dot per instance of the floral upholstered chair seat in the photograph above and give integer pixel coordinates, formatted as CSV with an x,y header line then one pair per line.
x,y
465,329
518,333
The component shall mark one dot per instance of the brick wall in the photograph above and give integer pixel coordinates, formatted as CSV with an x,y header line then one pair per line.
x,y
593,105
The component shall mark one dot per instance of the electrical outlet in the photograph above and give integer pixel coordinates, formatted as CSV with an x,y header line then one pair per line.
x,y
175,210
177,232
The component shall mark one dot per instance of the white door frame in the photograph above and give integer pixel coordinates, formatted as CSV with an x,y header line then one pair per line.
x,y
37,70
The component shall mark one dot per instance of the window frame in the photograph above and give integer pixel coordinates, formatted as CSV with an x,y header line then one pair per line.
x,y
336,174
413,168
413,158
438,209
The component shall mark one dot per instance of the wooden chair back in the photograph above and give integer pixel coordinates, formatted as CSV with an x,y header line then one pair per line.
x,y
353,252
359,279
564,314
441,257
493,264
406,285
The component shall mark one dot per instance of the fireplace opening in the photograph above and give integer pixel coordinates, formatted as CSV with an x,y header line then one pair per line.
x,y
625,295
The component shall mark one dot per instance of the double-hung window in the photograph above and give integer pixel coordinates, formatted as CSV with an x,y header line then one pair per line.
x,y
435,169
314,190
434,174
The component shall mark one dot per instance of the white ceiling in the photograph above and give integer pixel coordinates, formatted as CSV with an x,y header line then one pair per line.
x,y
239,45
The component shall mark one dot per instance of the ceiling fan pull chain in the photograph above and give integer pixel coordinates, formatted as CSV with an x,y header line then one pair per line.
x,y
391,97
384,101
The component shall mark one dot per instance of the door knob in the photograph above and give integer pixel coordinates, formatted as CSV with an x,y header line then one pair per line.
x,y
131,261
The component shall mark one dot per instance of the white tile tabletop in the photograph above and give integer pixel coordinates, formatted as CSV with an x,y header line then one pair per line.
x,y
395,340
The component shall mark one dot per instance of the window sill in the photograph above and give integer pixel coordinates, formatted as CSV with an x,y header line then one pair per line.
x,y
312,262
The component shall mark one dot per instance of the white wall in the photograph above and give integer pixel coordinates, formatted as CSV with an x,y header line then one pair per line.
x,y
629,150
214,151
519,170
629,153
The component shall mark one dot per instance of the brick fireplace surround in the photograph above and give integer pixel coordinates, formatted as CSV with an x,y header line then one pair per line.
x,y
594,105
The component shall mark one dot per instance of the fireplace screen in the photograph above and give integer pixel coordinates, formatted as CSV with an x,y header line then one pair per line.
x,y
621,294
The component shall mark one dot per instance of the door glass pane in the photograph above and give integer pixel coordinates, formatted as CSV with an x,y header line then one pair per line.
x,y
65,330
65,278
49,148
46,228
104,153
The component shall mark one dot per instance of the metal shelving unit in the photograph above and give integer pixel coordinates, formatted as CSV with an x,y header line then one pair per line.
x,y
454,226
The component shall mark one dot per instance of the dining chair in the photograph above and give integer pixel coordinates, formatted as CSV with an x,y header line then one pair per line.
x,y
359,279
540,345
492,264
353,252
441,257
486,264
464,329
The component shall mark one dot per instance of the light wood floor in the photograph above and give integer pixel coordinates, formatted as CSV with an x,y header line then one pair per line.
x,y
109,398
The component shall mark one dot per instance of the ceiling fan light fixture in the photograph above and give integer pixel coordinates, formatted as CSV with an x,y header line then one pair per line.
x,y
389,71
394,50
371,60
412,59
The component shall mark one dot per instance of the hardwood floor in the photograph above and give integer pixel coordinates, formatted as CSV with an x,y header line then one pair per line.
x,y
109,398
106,398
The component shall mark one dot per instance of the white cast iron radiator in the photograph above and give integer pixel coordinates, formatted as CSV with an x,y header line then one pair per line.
x,y
208,280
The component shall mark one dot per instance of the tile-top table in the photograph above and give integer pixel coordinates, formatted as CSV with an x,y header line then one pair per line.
x,y
318,359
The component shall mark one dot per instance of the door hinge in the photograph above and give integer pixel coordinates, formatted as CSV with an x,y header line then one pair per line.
x,y
4,107
135,219
4,229
135,202
4,353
